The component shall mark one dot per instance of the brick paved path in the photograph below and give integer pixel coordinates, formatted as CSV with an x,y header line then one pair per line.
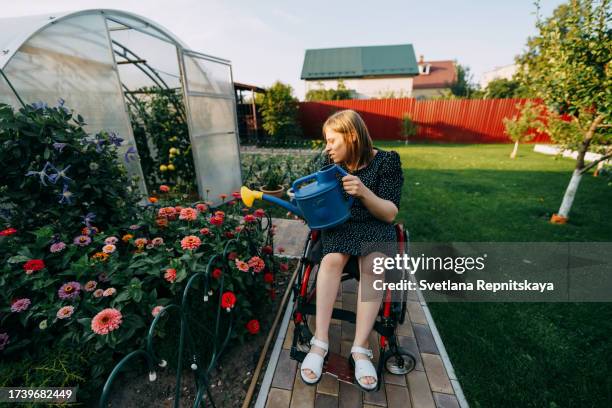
x,y
427,386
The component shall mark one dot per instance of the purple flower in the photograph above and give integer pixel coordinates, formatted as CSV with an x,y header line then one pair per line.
x,y
69,290
115,139
59,146
88,219
60,174
66,196
40,105
130,154
57,247
82,240
20,305
103,277
41,174
4,340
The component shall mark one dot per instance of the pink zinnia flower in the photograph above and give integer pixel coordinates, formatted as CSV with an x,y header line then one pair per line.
x,y
170,275
90,286
284,267
109,292
82,240
219,213
167,212
257,264
20,305
188,214
106,321
242,266
259,213
249,218
57,247
98,293
109,249
65,312
111,240
190,242
156,310
201,207
69,290
140,243
164,188
157,241
204,231
222,196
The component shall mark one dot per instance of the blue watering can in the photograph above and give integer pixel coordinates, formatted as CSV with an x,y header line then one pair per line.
x,y
318,198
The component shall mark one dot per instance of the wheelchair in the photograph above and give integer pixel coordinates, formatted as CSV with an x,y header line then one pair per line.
x,y
392,313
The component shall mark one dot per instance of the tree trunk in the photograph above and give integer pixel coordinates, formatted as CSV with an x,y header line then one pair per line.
x,y
515,150
570,192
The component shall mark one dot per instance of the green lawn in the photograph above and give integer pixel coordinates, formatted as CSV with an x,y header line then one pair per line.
x,y
511,354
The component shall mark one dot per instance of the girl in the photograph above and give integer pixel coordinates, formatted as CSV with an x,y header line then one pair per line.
x,y
375,181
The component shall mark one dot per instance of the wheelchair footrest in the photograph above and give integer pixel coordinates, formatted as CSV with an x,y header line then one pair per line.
x,y
339,367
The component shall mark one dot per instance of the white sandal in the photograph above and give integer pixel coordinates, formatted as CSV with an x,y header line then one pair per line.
x,y
364,368
314,362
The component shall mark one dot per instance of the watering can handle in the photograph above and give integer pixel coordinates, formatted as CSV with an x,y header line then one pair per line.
x,y
303,180
341,171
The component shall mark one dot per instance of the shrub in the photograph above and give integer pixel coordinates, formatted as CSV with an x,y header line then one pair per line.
x,y
279,112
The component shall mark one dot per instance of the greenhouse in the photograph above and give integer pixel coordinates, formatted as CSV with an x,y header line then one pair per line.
x,y
116,69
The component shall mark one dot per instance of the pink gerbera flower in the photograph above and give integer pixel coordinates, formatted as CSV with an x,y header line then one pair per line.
x,y
20,305
242,266
65,312
188,214
111,240
257,264
106,321
190,242
170,275
90,286
57,247
109,292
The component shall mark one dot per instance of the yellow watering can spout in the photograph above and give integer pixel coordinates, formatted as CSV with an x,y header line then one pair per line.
x,y
249,196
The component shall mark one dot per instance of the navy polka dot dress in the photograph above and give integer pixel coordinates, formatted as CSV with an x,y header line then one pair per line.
x,y
384,176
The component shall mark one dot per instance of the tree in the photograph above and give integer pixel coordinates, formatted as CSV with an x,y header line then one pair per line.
x,y
521,128
279,111
341,92
408,127
463,87
503,88
567,65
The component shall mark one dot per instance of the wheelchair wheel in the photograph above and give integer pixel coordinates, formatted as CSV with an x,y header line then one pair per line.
x,y
400,363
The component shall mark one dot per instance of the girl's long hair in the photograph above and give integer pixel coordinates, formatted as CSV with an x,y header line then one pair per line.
x,y
356,137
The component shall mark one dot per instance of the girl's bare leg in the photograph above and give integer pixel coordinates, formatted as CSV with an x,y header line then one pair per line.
x,y
328,281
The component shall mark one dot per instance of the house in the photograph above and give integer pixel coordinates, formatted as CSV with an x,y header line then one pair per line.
x,y
505,72
372,72
435,78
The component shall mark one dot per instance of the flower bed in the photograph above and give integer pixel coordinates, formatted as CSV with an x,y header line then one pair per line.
x,y
83,274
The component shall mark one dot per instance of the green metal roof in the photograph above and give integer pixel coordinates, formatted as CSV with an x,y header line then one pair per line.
x,y
351,62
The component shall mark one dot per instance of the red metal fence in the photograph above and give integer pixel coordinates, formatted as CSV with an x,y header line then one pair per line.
x,y
451,121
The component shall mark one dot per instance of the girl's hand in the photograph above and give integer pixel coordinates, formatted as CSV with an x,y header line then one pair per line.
x,y
353,186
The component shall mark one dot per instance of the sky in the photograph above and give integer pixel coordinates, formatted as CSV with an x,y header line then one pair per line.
x,y
266,40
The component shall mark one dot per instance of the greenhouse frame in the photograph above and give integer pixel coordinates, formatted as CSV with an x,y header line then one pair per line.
x,y
95,60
